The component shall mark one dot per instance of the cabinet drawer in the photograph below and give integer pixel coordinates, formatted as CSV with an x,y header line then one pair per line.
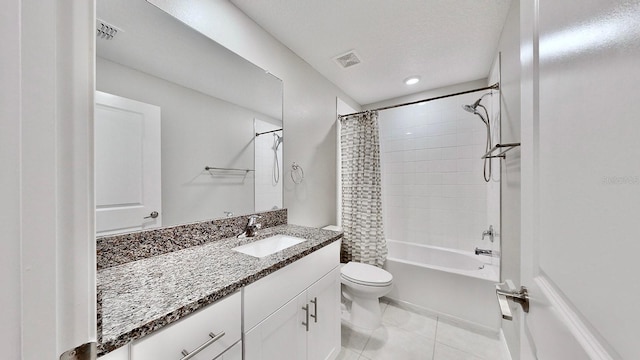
x,y
266,295
193,331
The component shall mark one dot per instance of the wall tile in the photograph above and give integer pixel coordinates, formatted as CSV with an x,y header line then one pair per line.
x,y
434,193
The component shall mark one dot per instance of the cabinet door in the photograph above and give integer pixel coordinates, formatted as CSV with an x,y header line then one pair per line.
x,y
323,340
281,335
234,353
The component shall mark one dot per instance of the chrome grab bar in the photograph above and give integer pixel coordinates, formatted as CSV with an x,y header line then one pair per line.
x,y
519,296
315,309
214,338
306,310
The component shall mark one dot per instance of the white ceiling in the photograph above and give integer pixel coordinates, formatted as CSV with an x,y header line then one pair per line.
x,y
445,42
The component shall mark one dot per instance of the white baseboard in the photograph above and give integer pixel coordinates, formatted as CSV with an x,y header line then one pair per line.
x,y
504,348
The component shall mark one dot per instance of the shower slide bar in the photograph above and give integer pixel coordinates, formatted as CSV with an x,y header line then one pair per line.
x,y
495,86
501,154
267,132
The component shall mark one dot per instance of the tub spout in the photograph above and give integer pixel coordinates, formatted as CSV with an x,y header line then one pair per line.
x,y
484,252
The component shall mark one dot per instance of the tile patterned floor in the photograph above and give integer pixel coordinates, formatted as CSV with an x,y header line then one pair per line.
x,y
405,335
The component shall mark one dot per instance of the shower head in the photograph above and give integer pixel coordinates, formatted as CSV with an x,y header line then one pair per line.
x,y
470,108
473,108
277,141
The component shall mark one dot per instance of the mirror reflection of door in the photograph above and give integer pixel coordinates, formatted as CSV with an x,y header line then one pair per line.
x,y
127,158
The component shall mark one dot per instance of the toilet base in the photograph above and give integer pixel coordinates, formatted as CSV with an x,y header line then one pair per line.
x,y
365,313
361,292
360,312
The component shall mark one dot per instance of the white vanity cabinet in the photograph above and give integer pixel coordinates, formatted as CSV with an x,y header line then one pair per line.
x,y
211,330
117,354
294,313
235,353
323,297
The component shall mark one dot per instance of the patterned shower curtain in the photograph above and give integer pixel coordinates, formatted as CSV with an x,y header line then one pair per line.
x,y
361,190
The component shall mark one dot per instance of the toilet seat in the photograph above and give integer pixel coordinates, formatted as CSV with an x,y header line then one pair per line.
x,y
367,275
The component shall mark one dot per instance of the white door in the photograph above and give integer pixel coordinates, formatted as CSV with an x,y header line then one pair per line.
x,y
581,179
323,297
281,335
127,155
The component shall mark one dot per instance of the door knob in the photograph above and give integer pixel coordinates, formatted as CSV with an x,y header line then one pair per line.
x,y
518,296
153,215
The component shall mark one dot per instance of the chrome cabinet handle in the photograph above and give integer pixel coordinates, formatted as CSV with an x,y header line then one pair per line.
x,y
214,338
315,309
306,310
153,215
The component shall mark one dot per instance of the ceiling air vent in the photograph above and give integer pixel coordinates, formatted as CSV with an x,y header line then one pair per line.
x,y
347,60
105,30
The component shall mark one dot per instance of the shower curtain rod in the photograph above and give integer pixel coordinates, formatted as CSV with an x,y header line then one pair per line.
x,y
495,86
267,132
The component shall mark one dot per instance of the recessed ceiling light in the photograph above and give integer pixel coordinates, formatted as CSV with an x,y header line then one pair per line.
x,y
412,80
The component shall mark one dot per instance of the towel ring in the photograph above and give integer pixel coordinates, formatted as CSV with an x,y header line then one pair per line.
x,y
297,174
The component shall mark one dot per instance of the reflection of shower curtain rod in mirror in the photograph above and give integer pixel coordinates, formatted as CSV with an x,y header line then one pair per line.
x,y
495,86
267,132
209,168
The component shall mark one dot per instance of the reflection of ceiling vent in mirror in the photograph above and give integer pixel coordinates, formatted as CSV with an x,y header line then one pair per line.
x,y
348,59
105,30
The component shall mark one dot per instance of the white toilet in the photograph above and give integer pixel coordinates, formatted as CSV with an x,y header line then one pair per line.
x,y
363,285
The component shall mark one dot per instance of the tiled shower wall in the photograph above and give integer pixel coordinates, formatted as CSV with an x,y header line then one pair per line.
x,y
433,189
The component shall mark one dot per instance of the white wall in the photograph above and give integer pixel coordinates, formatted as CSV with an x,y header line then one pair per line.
x,y
434,192
309,104
493,186
509,47
10,327
48,249
196,132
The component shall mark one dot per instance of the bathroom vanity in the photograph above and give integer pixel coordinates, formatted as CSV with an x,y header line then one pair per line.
x,y
222,302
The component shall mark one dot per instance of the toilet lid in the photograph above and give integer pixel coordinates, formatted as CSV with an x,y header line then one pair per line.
x,y
366,274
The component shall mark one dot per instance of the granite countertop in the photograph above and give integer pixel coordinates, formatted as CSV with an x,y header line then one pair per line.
x,y
142,296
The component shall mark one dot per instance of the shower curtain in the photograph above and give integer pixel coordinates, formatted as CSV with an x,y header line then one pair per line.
x,y
361,190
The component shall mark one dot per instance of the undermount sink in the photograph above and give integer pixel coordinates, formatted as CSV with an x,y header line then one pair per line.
x,y
268,246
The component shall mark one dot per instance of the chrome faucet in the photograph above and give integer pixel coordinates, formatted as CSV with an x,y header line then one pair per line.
x,y
484,252
490,233
252,227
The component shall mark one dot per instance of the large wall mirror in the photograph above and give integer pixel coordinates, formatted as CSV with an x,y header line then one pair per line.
x,y
185,129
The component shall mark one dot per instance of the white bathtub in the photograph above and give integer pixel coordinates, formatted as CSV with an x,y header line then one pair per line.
x,y
449,283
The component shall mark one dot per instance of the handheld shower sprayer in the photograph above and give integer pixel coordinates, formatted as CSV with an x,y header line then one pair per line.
x,y
277,141
474,110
